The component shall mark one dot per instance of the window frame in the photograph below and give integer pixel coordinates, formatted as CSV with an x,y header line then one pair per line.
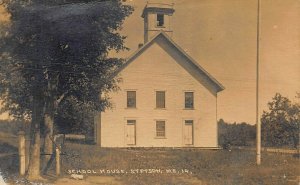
x,y
131,121
157,136
188,121
185,100
127,99
156,99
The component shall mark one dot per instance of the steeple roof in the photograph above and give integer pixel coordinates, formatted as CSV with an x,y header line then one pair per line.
x,y
158,8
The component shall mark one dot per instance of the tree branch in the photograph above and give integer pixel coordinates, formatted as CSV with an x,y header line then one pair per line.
x,y
61,97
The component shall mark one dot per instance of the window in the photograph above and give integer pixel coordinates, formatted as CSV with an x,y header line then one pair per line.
x,y
160,99
160,129
131,99
189,122
131,122
160,20
189,100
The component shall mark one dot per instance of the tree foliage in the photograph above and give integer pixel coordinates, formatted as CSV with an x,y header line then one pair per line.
x,y
280,124
238,134
59,52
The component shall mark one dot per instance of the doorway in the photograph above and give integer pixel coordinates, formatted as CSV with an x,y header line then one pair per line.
x,y
130,132
188,132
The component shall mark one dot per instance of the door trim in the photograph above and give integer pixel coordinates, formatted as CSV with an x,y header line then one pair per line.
x,y
183,131
125,130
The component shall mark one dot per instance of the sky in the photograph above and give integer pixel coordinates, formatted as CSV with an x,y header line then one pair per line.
x,y
221,36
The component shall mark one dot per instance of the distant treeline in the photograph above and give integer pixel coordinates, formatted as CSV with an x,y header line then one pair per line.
x,y
280,126
236,134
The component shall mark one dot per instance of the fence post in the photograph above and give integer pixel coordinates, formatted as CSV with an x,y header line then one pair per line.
x,y
22,157
57,159
27,148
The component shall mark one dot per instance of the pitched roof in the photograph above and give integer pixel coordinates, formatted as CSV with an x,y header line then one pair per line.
x,y
201,72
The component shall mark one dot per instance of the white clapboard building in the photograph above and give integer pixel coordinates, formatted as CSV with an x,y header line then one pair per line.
x,y
166,98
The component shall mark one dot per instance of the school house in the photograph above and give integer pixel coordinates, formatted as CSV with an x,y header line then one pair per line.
x,y
166,99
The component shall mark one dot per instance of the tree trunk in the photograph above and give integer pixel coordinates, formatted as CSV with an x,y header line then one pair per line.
x,y
48,143
49,109
49,122
34,159
33,172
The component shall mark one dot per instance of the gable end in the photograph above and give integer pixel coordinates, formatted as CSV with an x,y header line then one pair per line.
x,y
191,66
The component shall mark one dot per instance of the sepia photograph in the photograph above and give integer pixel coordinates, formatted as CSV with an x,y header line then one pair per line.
x,y
149,92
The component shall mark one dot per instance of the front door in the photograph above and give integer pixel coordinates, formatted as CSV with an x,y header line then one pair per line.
x,y
130,132
188,133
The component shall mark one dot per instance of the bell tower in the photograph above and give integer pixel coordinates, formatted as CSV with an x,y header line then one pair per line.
x,y
157,17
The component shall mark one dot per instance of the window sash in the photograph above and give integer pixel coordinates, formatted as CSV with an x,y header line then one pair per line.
x,y
160,99
160,129
131,99
189,99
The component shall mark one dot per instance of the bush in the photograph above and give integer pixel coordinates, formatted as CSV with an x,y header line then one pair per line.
x,y
236,134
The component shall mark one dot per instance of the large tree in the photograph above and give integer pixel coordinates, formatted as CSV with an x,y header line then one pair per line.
x,y
55,54
280,124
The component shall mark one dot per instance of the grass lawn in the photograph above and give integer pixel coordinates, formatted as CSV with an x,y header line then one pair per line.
x,y
192,166
217,167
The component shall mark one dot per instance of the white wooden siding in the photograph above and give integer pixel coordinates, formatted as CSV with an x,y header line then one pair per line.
x,y
155,69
